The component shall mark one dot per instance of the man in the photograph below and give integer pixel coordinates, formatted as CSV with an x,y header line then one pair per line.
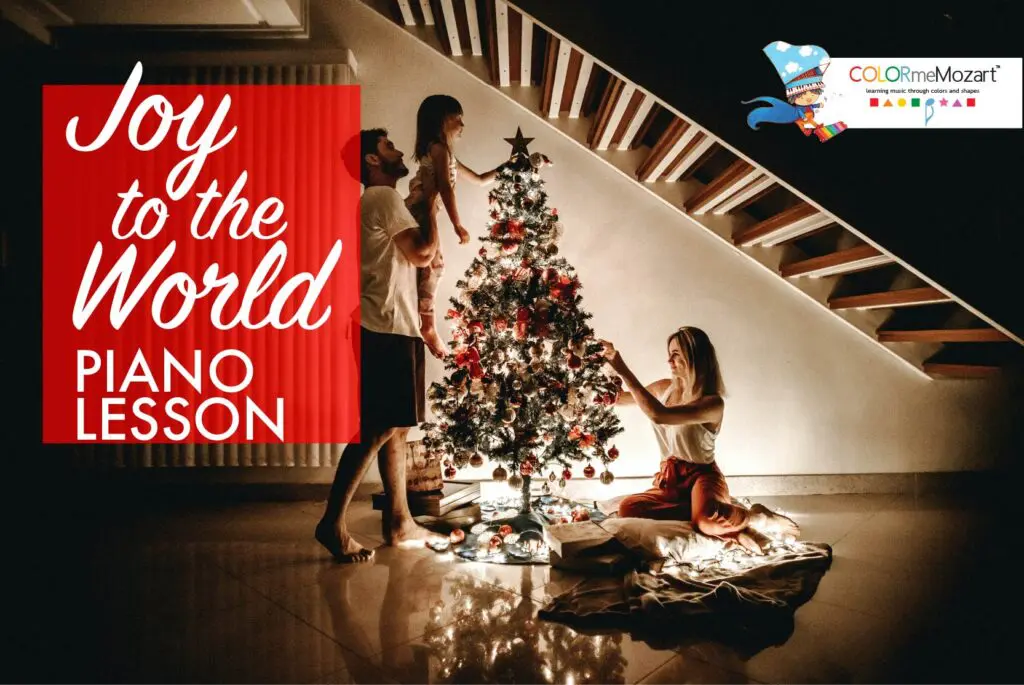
x,y
392,351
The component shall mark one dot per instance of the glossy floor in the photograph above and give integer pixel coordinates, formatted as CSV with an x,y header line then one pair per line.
x,y
243,594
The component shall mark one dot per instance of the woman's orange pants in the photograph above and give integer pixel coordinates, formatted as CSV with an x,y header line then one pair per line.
x,y
689,492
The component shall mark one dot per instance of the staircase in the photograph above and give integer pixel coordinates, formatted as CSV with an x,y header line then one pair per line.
x,y
931,330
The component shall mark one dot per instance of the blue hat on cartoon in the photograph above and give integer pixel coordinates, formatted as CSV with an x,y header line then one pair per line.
x,y
800,67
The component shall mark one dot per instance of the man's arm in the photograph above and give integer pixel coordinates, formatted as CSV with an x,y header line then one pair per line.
x,y
419,245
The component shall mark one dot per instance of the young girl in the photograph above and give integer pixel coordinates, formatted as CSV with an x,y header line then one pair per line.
x,y
438,124
686,411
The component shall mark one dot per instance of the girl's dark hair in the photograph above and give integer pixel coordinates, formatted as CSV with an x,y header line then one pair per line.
x,y
701,356
430,120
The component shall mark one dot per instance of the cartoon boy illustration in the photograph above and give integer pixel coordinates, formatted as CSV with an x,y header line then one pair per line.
x,y
801,68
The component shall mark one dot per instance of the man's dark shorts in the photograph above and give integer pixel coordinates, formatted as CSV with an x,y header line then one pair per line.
x,y
393,387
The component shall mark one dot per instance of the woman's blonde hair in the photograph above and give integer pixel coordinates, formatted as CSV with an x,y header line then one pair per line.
x,y
701,357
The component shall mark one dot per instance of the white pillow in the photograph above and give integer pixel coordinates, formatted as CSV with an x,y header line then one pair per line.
x,y
653,540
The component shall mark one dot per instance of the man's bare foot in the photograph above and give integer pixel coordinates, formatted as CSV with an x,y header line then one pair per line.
x,y
433,342
341,545
410,534
767,521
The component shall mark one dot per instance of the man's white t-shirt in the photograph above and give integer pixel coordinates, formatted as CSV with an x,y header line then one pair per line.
x,y
389,295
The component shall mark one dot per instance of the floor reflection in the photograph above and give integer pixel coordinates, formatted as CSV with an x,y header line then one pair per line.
x,y
493,641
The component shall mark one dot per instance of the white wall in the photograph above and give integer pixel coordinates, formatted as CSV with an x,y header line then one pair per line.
x,y
806,393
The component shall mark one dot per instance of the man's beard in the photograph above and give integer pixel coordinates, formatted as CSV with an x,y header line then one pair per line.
x,y
395,169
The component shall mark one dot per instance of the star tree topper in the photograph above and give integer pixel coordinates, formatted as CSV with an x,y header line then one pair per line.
x,y
519,143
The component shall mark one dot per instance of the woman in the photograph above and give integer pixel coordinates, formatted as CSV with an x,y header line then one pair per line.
x,y
686,411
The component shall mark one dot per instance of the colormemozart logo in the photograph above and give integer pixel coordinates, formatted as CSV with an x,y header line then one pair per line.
x,y
199,263
825,95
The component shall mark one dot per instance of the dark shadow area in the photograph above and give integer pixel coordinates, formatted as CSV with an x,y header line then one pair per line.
x,y
943,200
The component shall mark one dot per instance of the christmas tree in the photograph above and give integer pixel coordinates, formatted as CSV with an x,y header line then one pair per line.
x,y
525,385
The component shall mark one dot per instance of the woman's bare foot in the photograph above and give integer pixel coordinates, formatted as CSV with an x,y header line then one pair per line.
x,y
410,534
767,521
341,545
752,541
433,342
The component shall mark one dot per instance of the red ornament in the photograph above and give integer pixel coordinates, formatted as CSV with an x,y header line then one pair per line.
x,y
554,211
575,433
482,252
589,471
449,472
509,246
587,440
457,536
580,515
494,214
609,398
476,327
504,530
500,323
567,473
526,468
453,314
522,323
476,370
575,363
613,453
495,542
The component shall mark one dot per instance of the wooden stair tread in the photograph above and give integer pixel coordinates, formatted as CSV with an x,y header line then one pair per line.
x,y
774,223
890,298
843,261
937,335
961,370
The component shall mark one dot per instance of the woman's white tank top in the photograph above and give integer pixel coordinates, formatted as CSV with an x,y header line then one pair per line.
x,y
689,441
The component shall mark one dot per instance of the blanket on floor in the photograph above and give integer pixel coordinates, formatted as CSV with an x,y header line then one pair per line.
x,y
744,601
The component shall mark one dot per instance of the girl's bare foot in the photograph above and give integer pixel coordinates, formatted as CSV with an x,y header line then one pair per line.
x,y
767,521
410,534
341,545
433,342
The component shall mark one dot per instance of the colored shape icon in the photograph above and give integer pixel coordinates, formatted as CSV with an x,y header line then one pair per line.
x,y
929,109
902,102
